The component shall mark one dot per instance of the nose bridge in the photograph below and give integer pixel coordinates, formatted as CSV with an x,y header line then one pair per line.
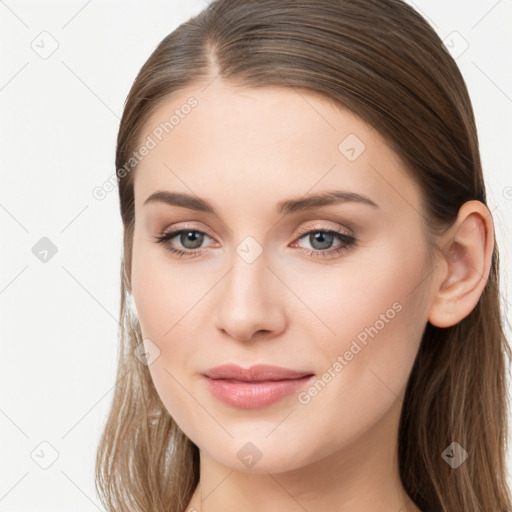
x,y
246,300
249,274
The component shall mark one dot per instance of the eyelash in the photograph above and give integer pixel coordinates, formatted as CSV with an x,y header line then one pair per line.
x,y
348,241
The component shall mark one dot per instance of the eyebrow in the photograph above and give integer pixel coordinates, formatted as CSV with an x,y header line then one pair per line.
x,y
288,206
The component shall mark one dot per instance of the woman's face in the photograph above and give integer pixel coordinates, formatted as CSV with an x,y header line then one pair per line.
x,y
263,283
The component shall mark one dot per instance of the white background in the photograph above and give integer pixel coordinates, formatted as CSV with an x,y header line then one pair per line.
x,y
59,121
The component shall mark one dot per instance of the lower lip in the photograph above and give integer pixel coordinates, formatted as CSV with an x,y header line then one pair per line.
x,y
253,395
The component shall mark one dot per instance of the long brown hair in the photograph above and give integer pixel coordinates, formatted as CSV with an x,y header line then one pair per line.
x,y
381,60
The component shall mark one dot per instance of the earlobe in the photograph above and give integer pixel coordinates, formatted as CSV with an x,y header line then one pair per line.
x,y
467,255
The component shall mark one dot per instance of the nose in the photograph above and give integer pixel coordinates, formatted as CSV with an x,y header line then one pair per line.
x,y
250,301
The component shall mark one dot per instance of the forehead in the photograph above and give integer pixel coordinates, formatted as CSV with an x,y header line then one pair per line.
x,y
259,145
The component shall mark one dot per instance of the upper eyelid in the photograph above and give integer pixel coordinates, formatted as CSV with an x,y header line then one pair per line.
x,y
307,227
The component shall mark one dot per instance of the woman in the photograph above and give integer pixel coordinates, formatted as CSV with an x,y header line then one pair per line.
x,y
316,318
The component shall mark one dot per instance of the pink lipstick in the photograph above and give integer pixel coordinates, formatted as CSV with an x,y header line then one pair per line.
x,y
255,387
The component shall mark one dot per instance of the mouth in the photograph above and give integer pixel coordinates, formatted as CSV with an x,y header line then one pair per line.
x,y
256,387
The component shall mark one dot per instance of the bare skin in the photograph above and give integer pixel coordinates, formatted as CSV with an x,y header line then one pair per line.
x,y
245,150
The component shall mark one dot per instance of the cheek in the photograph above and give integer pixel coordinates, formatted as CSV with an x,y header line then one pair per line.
x,y
167,316
377,316
168,306
367,288
164,293
160,309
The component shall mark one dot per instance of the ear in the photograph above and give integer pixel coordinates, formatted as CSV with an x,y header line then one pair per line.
x,y
466,257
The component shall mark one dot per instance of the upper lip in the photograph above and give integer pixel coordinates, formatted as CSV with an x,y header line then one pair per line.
x,y
259,372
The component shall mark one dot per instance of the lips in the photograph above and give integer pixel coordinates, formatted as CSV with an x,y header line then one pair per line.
x,y
255,387
257,373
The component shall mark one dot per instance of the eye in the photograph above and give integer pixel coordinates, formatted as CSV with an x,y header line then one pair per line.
x,y
321,240
191,239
